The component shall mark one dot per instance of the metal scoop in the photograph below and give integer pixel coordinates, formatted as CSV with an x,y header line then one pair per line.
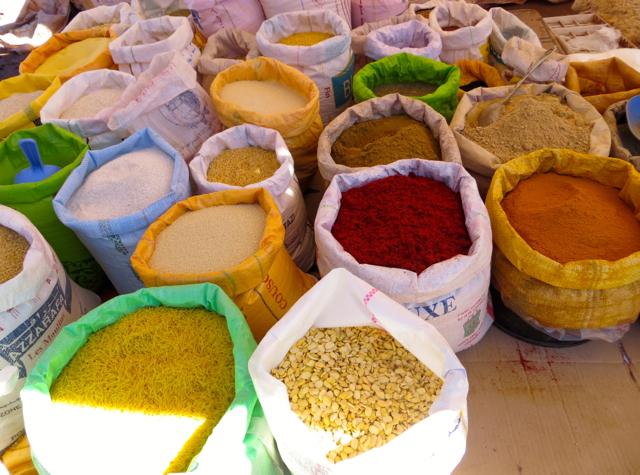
x,y
494,111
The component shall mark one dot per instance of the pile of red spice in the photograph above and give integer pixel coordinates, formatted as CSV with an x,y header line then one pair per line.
x,y
406,222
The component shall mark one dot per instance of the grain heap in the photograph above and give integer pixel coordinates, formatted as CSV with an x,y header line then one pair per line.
x,y
13,249
88,106
383,141
243,166
124,186
73,57
529,123
152,370
263,97
209,240
305,39
17,102
409,89
358,387
568,218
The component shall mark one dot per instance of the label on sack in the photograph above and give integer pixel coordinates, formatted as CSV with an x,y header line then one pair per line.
x,y
343,84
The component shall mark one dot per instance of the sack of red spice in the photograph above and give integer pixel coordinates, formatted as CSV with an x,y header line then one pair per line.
x,y
431,243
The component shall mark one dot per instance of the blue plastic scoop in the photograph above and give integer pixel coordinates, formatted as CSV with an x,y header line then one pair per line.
x,y
633,116
37,171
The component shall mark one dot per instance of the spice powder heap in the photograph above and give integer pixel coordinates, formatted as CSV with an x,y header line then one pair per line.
x,y
243,166
13,250
409,89
406,222
568,218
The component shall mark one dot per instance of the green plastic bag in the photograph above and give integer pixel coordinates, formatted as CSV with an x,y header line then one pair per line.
x,y
405,67
35,200
241,443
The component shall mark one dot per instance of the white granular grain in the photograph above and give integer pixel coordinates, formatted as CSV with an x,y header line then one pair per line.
x,y
124,186
88,106
264,97
209,240
16,103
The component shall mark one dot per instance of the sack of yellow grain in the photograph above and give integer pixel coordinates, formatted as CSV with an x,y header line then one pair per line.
x,y
477,74
69,54
116,17
299,128
237,248
624,144
21,100
575,300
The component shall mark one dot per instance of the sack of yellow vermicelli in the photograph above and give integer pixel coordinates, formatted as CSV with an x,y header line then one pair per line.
x,y
148,383
71,53
21,100
239,247
575,299
603,82
477,74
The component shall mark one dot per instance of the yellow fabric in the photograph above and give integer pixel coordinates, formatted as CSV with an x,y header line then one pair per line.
x,y
300,129
264,287
472,71
199,39
21,84
17,458
80,55
604,82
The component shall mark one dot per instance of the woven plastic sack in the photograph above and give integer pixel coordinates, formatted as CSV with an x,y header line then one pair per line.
x,y
30,23
168,99
405,67
624,145
282,186
83,5
453,295
117,17
505,26
113,241
275,7
34,306
586,294
17,459
211,17
28,117
94,129
148,9
369,11
471,40
87,60
393,104
482,164
136,48
221,50
518,55
412,37
329,63
300,129
241,442
35,200
264,287
343,300
476,71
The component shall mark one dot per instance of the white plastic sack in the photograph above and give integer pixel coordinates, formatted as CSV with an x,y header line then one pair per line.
x,y
168,99
83,5
95,129
213,16
604,39
434,445
391,104
453,295
34,306
519,54
120,15
624,145
367,11
146,9
482,164
220,50
505,26
282,186
136,48
340,7
413,37
471,40
113,241
329,64
37,21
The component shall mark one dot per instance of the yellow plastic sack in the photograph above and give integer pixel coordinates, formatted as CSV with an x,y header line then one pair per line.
x,y
30,116
300,129
604,82
264,287
17,458
472,71
583,294
68,54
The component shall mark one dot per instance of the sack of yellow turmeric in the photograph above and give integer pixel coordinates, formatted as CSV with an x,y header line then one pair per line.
x,y
244,243
604,82
567,295
21,100
299,128
477,74
69,54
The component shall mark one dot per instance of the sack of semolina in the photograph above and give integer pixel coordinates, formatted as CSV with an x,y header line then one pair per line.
x,y
37,299
148,9
117,17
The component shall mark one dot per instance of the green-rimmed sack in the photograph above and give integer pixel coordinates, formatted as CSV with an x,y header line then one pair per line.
x,y
241,443
35,200
405,67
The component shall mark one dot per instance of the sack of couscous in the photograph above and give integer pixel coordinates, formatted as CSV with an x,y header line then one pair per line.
x,y
116,17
